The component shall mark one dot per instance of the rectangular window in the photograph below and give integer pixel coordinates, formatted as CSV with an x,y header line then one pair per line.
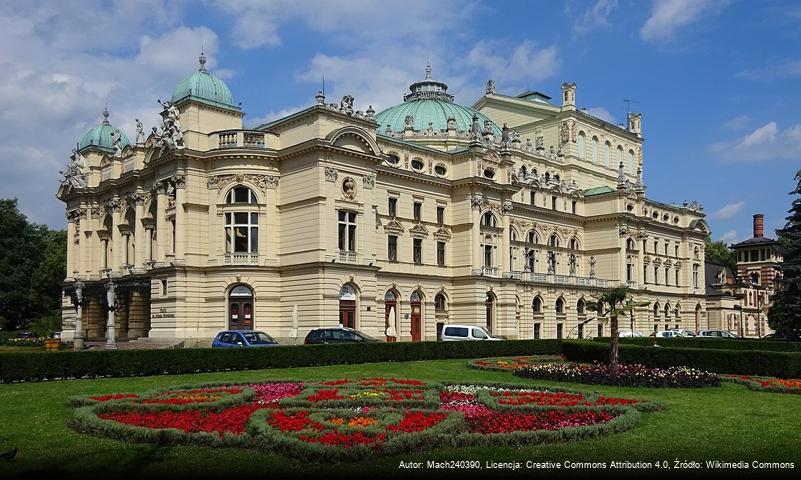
x,y
533,199
536,331
677,278
695,276
559,330
629,272
392,248
666,249
441,215
677,251
656,275
667,276
347,231
418,209
553,202
164,288
573,207
418,250
441,254
392,207
600,330
656,246
487,255
754,255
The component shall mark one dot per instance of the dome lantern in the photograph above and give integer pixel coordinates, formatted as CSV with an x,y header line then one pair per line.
x,y
203,87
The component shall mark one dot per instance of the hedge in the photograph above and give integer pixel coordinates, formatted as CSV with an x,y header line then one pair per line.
x,y
35,366
715,343
743,362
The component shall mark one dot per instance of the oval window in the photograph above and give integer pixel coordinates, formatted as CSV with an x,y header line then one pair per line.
x,y
665,217
440,170
489,173
417,164
393,159
630,207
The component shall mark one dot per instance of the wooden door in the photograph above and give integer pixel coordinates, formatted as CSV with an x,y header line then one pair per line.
x,y
347,313
391,306
234,316
489,315
416,327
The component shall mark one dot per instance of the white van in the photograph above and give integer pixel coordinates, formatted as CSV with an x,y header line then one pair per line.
x,y
460,333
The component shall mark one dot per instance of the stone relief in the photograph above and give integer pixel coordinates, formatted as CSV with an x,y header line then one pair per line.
x,y
74,176
331,174
368,181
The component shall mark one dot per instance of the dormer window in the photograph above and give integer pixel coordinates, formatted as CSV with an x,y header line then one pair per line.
x,y
489,173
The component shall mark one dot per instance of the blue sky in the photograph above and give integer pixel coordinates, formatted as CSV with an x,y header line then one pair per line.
x,y
717,81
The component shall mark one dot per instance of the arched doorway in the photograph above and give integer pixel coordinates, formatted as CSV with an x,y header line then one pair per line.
x,y
391,315
347,306
415,303
240,308
490,308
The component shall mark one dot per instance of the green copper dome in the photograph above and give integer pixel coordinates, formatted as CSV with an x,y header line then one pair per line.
x,y
100,136
205,88
429,102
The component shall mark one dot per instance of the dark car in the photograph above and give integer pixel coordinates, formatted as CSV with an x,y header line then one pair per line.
x,y
243,338
337,335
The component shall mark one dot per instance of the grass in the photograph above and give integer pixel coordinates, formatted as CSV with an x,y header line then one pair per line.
x,y
730,423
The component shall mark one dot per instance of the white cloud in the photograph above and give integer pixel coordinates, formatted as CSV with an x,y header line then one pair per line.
x,y
788,69
729,237
737,123
522,62
602,113
596,16
667,16
730,210
768,142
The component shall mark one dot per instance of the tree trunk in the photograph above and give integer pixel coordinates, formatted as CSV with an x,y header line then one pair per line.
x,y
614,343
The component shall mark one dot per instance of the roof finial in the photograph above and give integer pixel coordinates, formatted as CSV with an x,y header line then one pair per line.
x,y
105,115
202,60
428,71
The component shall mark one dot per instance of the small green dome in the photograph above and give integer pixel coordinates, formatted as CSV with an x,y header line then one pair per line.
x,y
100,136
205,88
429,102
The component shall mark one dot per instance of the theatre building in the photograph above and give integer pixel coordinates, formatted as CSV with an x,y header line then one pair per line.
x,y
512,213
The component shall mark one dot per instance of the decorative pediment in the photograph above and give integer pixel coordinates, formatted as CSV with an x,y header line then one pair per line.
x,y
264,182
419,230
393,226
443,233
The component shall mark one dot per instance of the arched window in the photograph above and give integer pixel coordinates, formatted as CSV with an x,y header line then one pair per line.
x,y
608,154
390,296
416,296
594,150
580,307
488,220
531,261
439,303
619,155
536,305
667,310
574,245
512,234
581,145
240,194
677,311
631,161
553,241
630,245
560,305
533,237
656,310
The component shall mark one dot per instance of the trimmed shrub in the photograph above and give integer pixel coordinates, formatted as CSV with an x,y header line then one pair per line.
x,y
715,343
34,366
744,362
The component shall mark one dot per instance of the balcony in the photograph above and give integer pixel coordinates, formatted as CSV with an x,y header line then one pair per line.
x,y
241,259
348,257
487,272
241,139
528,277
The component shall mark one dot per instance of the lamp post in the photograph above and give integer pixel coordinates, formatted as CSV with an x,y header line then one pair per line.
x,y
111,299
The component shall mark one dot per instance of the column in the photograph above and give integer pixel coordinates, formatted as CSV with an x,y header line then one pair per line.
x,y
149,253
140,243
111,298
162,226
79,334
73,263
117,245
505,243
180,216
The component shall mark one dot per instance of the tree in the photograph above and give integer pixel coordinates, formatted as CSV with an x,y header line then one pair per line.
x,y
718,252
785,314
613,303
32,267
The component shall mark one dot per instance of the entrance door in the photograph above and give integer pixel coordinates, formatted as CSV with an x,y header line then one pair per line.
x,y
347,313
489,312
416,322
390,316
240,308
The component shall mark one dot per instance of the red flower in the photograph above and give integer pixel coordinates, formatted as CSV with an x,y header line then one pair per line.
x,y
323,395
293,423
417,421
230,420
113,396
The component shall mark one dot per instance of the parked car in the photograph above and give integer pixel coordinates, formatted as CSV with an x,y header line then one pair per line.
x,y
665,334
337,335
460,333
682,332
26,335
778,337
716,334
629,333
243,338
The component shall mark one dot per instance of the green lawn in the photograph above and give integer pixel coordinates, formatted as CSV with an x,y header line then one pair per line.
x,y
730,423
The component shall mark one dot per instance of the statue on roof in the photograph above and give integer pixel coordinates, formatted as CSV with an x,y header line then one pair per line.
x,y
170,134
74,176
490,87
346,105
140,133
475,130
408,122
116,142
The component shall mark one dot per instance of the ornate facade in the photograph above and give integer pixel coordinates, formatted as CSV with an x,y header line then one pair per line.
x,y
510,214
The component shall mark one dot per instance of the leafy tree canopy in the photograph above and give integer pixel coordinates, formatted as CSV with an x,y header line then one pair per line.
x,y
718,252
785,314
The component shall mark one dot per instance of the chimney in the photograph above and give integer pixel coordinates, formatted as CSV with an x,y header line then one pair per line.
x,y
568,96
759,225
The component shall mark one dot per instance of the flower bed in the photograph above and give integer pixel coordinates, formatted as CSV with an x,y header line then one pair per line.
x,y
766,384
628,375
510,364
348,419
